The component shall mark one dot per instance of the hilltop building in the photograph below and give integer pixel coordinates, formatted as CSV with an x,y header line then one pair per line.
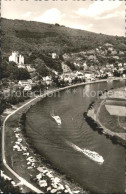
x,y
15,57
54,56
85,66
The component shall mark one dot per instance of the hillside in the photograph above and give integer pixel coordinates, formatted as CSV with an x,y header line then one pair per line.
x,y
29,36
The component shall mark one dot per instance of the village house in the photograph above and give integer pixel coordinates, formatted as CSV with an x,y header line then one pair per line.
x,y
27,88
54,56
23,83
110,49
114,52
92,57
91,52
110,74
116,57
89,75
85,66
77,64
121,69
108,45
111,65
120,65
124,65
67,79
66,56
30,69
121,53
47,80
65,68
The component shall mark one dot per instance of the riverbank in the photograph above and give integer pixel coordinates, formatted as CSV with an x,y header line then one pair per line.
x,y
19,151
11,138
107,123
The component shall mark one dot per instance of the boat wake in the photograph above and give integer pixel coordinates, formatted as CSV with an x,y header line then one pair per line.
x,y
90,154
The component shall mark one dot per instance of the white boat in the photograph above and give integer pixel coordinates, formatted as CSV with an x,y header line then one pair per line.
x,y
90,154
93,156
57,119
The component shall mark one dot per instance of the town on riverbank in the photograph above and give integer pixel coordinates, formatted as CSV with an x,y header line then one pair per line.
x,y
22,78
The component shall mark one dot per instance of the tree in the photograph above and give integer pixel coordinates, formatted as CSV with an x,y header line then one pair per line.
x,y
8,69
111,60
124,72
7,187
116,74
42,70
71,65
38,87
57,24
23,74
11,71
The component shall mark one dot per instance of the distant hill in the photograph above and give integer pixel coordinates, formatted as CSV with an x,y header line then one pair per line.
x,y
29,36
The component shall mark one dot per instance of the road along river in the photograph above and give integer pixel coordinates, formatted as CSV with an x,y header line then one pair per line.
x,y
52,140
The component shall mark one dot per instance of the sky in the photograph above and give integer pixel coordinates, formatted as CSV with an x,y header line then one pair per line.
x,y
107,16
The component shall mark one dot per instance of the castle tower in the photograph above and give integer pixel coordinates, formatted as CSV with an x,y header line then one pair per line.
x,y
14,57
21,59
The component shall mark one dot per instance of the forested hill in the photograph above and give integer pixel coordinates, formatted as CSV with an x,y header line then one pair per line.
x,y
29,36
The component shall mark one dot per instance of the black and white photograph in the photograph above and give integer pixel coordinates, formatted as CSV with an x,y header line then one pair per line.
x,y
63,96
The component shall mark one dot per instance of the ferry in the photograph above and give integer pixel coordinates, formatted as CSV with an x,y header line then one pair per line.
x,y
90,154
93,156
57,119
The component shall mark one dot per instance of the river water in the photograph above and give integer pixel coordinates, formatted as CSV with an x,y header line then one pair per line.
x,y
52,141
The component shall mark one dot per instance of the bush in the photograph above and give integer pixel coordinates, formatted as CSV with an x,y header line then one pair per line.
x,y
7,187
57,24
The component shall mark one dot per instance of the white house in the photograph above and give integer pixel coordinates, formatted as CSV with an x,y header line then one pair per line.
x,y
24,83
54,55
27,88
47,80
89,75
85,66
30,69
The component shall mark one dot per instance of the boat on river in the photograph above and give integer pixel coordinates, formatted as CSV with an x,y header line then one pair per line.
x,y
90,154
93,156
56,118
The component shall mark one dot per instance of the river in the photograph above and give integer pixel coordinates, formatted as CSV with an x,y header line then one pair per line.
x,y
52,140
